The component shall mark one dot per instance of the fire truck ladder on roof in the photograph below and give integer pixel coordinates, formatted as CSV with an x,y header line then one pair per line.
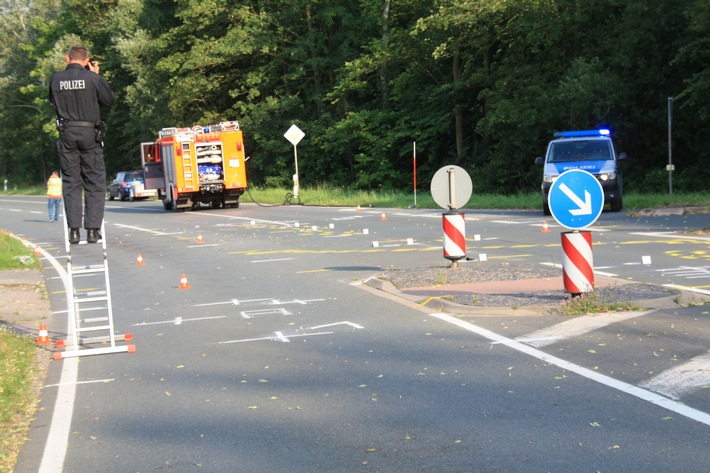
x,y
89,294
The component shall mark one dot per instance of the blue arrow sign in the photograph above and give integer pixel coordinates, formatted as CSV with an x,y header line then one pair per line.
x,y
576,199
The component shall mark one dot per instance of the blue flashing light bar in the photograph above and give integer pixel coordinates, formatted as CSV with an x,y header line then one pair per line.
x,y
582,133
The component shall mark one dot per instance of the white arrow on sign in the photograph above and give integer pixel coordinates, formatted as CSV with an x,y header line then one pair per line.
x,y
585,207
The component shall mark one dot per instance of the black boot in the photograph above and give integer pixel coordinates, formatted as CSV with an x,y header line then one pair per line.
x,y
93,235
74,236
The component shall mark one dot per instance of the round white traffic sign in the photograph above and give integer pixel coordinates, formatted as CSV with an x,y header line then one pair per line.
x,y
451,187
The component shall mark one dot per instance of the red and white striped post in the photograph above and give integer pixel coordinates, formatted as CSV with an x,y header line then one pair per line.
x,y
454,236
578,262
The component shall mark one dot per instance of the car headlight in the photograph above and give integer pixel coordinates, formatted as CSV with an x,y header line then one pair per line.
x,y
549,178
607,176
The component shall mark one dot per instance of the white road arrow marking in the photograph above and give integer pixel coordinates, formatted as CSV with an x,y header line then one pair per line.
x,y
585,208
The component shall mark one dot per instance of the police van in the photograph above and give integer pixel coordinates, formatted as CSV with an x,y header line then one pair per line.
x,y
588,150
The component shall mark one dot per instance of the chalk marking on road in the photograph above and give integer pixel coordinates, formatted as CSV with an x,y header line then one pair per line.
x,y
640,393
600,273
248,219
682,379
576,327
139,229
95,381
265,301
279,338
337,323
179,321
249,314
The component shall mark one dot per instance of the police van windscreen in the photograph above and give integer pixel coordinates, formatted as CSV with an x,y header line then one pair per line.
x,y
580,150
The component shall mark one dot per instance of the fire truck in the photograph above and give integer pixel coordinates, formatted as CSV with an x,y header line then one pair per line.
x,y
199,165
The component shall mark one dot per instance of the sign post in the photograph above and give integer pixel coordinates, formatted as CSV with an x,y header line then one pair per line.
x,y
576,200
451,188
295,135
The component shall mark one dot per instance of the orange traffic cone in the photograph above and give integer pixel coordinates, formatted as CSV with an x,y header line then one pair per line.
x,y
43,337
199,238
383,216
545,228
139,260
358,209
183,283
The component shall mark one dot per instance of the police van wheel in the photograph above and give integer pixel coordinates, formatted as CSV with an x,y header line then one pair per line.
x,y
617,205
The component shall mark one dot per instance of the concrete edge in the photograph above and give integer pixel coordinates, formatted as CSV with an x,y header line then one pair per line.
x,y
677,299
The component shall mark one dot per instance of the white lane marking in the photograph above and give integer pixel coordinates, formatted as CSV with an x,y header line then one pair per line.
x,y
271,260
575,327
682,379
626,388
686,288
673,235
203,245
55,449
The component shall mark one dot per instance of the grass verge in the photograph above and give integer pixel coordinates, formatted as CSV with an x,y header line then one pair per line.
x,y
594,303
19,367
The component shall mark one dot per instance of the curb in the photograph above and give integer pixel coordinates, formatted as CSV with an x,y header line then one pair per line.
x,y
676,299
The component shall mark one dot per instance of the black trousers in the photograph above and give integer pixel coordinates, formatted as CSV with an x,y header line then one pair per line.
x,y
81,160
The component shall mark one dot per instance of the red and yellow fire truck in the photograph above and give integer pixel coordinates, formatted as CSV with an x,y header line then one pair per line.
x,y
198,165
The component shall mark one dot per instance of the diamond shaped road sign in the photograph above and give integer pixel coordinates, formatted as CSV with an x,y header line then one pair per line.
x,y
576,199
294,135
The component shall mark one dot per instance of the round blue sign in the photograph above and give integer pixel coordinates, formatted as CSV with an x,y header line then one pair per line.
x,y
576,199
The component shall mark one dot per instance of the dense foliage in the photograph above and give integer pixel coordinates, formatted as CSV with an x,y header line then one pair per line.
x,y
477,83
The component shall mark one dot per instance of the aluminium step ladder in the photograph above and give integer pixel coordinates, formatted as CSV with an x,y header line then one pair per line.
x,y
89,302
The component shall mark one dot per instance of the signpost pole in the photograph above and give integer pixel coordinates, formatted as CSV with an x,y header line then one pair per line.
x,y
670,149
415,173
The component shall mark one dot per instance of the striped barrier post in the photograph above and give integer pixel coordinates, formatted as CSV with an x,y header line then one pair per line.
x,y
454,236
578,262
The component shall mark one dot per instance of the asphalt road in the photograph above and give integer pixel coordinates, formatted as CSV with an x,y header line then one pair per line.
x,y
278,359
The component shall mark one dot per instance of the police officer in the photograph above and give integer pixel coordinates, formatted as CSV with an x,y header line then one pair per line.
x,y
77,93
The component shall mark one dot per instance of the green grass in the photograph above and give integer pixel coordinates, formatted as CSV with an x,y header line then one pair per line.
x,y
342,197
15,255
18,400
594,303
18,368
339,197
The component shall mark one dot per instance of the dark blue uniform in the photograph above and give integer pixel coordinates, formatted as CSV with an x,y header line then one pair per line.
x,y
77,95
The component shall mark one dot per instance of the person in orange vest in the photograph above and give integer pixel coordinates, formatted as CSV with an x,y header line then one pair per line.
x,y
54,193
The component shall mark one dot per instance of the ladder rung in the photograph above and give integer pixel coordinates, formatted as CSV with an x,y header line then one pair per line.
x,y
98,268
93,329
94,320
84,300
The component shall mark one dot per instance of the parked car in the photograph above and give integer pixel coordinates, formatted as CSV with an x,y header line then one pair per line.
x,y
129,185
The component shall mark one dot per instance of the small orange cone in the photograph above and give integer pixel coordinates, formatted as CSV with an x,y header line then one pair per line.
x,y
383,216
358,209
43,337
183,283
545,228
199,238
139,260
